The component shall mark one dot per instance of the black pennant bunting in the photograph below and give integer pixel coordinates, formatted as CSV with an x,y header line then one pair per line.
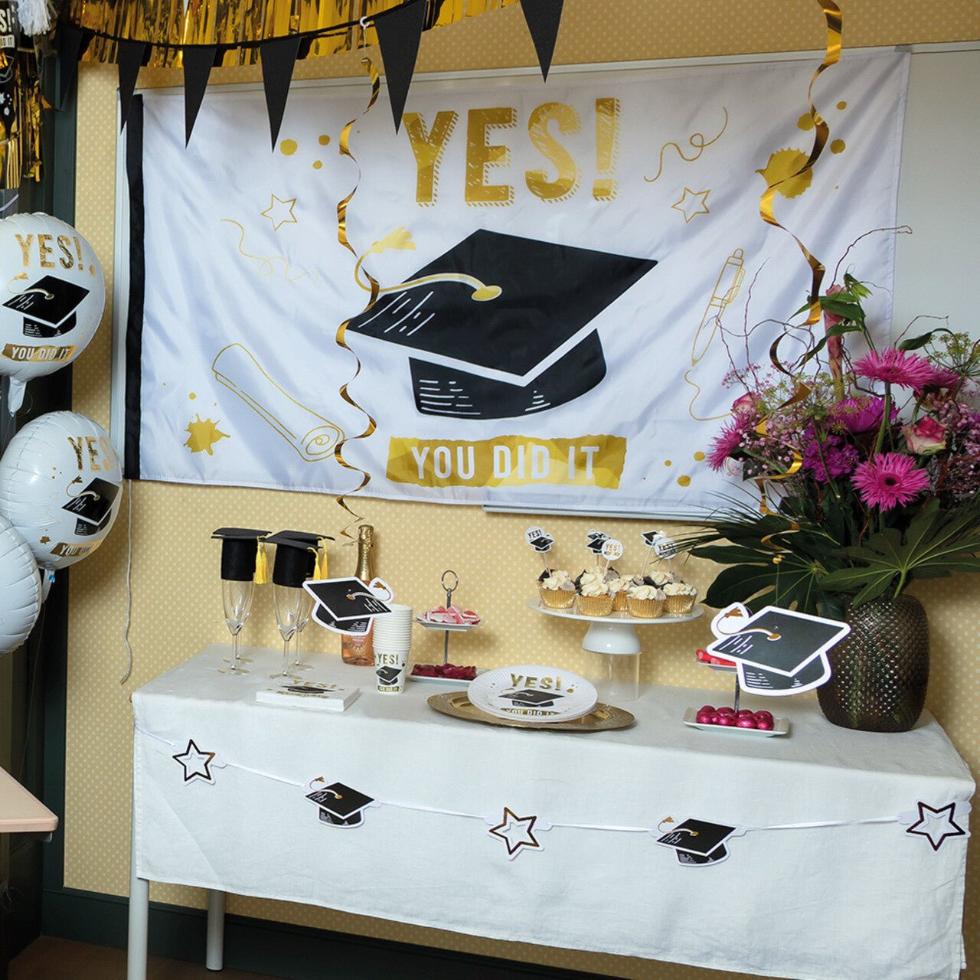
x,y
278,60
198,62
72,42
543,18
399,33
130,58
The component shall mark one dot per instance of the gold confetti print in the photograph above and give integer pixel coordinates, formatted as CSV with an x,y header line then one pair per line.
x,y
782,165
202,434
288,147
837,146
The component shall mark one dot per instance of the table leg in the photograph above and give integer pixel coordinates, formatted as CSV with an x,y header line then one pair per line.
x,y
139,913
214,960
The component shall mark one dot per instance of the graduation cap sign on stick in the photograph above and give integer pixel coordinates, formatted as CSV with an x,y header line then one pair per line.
x,y
501,326
779,651
348,605
540,541
611,550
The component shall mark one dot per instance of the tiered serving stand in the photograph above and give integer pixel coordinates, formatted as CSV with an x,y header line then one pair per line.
x,y
615,639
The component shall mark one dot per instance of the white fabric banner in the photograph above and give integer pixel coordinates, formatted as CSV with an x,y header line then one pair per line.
x,y
565,271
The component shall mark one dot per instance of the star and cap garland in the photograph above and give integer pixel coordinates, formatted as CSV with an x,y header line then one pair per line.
x,y
340,805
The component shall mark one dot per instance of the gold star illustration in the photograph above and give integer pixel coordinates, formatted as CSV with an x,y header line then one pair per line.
x,y
280,212
692,203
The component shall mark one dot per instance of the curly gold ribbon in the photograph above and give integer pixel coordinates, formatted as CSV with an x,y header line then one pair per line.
x,y
821,134
341,336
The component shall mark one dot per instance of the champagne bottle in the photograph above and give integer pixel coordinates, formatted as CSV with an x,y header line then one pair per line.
x,y
359,650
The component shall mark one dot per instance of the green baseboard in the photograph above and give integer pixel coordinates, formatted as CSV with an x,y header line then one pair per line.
x,y
273,948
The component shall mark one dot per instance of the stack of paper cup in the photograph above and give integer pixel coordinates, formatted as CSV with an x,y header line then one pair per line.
x,y
392,645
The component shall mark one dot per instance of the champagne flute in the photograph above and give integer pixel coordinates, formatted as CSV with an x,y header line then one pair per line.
x,y
237,599
306,611
289,602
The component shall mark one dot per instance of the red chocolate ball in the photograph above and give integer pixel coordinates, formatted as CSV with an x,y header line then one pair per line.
x,y
709,709
727,711
763,725
728,721
763,716
749,722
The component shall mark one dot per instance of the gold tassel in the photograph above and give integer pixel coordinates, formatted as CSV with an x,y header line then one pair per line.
x,y
320,572
261,576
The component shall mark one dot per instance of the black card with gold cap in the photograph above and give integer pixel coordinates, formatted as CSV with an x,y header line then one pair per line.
x,y
239,547
501,326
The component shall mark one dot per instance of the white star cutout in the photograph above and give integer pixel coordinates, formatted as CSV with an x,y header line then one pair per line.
x,y
197,764
280,212
516,832
692,203
936,825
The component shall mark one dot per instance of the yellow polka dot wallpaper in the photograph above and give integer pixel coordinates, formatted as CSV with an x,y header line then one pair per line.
x,y
176,599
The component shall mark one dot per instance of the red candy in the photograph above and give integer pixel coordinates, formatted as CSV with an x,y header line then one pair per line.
x,y
727,711
763,725
706,708
763,716
746,723
728,718
451,671
727,721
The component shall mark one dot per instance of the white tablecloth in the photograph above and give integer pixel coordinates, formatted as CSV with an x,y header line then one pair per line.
x,y
858,901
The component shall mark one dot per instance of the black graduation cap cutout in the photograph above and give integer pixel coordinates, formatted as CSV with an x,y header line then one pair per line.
x,y
239,547
689,860
340,806
698,837
537,699
539,539
780,651
93,506
296,553
498,326
346,599
48,306
388,675
594,540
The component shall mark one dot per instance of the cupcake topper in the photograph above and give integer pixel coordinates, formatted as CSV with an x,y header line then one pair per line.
x,y
540,541
612,550
660,544
594,541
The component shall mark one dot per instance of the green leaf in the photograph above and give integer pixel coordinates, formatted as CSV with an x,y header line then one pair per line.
x,y
738,584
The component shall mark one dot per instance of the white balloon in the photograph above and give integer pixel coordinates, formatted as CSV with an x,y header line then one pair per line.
x,y
61,487
52,294
20,588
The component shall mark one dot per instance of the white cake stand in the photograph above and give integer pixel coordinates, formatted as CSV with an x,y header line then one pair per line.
x,y
615,637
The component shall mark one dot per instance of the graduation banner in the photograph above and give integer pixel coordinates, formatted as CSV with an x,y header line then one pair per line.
x,y
560,274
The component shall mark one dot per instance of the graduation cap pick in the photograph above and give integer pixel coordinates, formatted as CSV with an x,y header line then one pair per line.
x,y
501,326
340,805
239,547
48,306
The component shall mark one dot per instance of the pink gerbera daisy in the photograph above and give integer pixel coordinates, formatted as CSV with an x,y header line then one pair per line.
x,y
897,367
889,480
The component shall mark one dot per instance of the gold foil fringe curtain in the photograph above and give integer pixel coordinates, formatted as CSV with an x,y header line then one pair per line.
x,y
169,24
20,130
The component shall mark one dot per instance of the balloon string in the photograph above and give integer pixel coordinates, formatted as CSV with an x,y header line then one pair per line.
x,y
341,336
821,133
129,581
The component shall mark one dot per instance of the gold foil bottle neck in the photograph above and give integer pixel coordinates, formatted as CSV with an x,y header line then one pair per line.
x,y
365,542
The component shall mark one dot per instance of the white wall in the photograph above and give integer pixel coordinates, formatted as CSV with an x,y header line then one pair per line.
x,y
937,269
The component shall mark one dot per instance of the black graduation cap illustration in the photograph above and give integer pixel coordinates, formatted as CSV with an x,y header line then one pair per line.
x,y
48,306
296,553
346,599
594,541
535,699
499,326
340,805
93,506
699,860
388,675
698,837
239,547
543,543
780,651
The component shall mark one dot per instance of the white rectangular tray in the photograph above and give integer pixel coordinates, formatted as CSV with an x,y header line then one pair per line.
x,y
780,726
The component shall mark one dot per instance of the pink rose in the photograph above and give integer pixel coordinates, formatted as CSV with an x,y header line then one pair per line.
x,y
745,405
927,436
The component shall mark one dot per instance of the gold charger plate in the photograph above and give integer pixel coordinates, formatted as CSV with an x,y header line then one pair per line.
x,y
602,718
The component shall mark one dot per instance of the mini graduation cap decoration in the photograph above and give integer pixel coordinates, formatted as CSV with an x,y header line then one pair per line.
x,y
536,699
594,540
93,506
500,326
48,306
298,557
779,651
539,539
340,805
239,550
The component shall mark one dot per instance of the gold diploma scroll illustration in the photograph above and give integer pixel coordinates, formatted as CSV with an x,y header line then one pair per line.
x,y
726,289
310,434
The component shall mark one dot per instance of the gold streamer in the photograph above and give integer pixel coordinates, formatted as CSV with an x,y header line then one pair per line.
x,y
821,134
341,337
168,25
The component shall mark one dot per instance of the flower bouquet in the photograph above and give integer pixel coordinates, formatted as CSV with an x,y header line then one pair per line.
x,y
868,469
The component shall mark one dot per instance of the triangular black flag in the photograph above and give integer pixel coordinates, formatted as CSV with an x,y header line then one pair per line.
x,y
130,57
198,62
278,59
72,42
543,18
399,33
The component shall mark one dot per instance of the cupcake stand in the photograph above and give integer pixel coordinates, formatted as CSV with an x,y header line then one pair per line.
x,y
614,638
